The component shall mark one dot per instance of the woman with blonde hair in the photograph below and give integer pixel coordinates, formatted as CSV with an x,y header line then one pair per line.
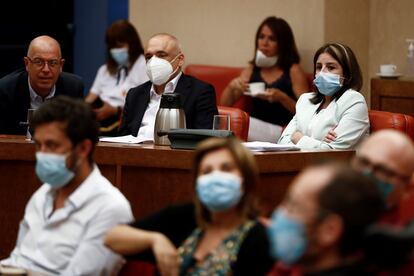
x,y
223,236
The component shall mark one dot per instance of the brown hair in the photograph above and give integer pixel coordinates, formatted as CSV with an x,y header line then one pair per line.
x,y
122,31
287,51
350,67
247,165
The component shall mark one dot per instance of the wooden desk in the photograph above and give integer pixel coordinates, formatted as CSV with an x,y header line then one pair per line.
x,y
393,95
151,177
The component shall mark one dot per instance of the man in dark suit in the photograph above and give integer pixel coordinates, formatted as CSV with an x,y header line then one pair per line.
x,y
41,80
164,63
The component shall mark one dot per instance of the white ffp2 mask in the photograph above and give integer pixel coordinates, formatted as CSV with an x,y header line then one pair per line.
x,y
159,70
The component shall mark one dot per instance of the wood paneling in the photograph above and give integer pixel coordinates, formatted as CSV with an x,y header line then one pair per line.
x,y
393,95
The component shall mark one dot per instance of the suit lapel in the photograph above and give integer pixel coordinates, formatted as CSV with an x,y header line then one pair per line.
x,y
22,97
182,88
141,100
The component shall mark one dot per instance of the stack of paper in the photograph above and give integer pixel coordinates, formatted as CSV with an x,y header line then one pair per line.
x,y
266,146
128,139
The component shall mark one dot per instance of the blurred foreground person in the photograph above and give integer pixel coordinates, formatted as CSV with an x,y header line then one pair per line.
x,y
66,218
219,233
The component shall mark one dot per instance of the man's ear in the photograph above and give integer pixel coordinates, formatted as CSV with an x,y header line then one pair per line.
x,y
330,230
26,63
62,61
181,59
84,148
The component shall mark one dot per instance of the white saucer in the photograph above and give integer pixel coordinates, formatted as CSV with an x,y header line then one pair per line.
x,y
389,76
251,95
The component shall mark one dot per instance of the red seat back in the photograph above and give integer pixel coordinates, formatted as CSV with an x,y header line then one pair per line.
x,y
384,120
132,268
239,120
219,77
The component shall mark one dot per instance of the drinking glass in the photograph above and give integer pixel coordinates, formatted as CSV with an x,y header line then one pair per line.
x,y
221,122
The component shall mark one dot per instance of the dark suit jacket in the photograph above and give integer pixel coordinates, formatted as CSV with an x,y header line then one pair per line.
x,y
15,98
198,99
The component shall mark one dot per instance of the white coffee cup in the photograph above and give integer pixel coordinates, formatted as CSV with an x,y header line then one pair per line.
x,y
388,69
256,88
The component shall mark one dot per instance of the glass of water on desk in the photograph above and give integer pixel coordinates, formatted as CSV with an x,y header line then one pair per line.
x,y
221,122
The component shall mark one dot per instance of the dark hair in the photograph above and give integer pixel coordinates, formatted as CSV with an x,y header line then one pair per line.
x,y
356,199
247,165
77,116
122,31
287,50
350,67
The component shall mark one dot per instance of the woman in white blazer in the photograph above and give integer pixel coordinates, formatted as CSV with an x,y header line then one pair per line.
x,y
336,115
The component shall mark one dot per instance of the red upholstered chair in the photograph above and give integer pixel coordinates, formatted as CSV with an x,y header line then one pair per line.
x,y
132,268
219,77
239,120
383,120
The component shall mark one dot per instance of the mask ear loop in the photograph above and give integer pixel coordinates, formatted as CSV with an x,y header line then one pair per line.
x,y
173,72
347,60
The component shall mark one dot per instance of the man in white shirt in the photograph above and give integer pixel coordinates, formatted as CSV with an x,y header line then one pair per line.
x,y
66,218
164,64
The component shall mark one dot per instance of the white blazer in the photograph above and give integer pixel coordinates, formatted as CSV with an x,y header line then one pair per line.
x,y
348,115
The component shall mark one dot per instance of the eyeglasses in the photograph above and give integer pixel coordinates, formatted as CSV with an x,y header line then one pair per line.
x,y
40,63
381,171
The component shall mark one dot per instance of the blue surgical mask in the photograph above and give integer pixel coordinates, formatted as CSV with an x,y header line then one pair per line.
x,y
384,187
219,191
120,55
327,83
51,169
287,238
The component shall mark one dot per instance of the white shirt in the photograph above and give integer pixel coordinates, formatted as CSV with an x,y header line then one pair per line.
x,y
35,100
348,116
106,87
146,130
69,241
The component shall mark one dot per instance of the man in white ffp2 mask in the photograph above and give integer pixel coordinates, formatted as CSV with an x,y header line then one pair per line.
x,y
165,60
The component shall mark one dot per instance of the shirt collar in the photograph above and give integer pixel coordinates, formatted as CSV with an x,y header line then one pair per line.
x,y
83,193
35,97
169,87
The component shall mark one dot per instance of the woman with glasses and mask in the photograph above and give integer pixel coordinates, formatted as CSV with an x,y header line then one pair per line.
x,y
219,233
275,63
336,115
124,68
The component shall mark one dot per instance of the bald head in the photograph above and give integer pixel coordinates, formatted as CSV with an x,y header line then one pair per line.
x,y
389,154
44,43
168,41
391,147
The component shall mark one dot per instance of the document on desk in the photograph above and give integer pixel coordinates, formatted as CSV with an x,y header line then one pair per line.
x,y
266,146
128,139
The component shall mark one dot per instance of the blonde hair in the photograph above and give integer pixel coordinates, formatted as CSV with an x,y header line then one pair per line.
x,y
248,168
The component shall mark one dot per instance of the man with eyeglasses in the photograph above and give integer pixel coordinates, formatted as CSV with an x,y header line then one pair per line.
x,y
388,155
41,80
165,60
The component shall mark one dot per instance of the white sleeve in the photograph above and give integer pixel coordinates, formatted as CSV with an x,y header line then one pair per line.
x,y
97,83
92,257
292,127
285,138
